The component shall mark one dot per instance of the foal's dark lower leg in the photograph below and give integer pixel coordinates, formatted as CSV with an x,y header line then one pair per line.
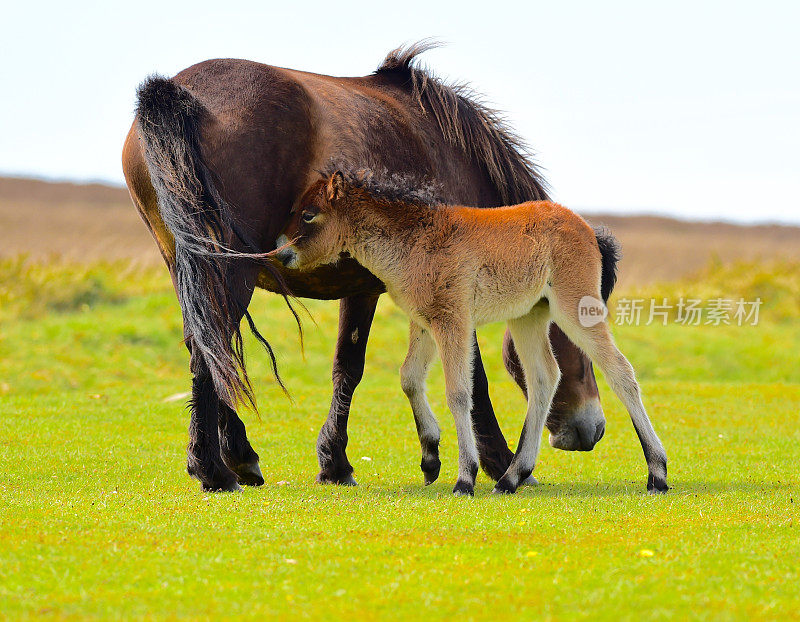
x,y
355,320
204,460
493,451
236,451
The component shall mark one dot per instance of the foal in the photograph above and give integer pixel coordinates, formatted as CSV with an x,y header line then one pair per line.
x,y
453,268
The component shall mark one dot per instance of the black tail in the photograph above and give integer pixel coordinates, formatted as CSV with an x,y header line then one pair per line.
x,y
201,223
610,253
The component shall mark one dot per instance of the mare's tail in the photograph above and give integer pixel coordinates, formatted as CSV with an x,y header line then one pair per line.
x,y
201,222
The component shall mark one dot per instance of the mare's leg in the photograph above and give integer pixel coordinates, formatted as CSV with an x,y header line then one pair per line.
x,y
204,461
219,454
236,451
355,320
421,352
495,456
453,340
599,345
541,373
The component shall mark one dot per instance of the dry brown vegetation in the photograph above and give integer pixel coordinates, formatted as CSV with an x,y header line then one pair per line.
x,y
89,222
76,222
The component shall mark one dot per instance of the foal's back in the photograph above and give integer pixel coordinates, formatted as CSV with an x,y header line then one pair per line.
x,y
501,259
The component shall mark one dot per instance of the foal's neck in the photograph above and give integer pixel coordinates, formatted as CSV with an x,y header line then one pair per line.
x,y
382,232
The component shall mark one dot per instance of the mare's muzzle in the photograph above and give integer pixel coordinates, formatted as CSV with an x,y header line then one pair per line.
x,y
582,430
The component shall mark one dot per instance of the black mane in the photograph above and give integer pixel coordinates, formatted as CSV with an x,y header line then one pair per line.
x,y
468,123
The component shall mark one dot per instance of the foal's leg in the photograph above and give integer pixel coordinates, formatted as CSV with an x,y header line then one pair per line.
x,y
531,337
355,319
453,340
421,352
599,345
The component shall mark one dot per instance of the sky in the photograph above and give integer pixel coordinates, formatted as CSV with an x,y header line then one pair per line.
x,y
685,109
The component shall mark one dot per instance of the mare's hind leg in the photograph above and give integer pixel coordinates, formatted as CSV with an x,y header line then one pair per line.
x,y
204,461
236,451
421,352
219,454
355,320
531,337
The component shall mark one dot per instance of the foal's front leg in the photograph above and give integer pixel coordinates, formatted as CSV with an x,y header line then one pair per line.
x,y
453,339
421,352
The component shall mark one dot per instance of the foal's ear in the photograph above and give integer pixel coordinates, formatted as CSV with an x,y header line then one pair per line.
x,y
336,186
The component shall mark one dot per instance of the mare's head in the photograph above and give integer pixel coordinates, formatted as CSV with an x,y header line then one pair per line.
x,y
317,230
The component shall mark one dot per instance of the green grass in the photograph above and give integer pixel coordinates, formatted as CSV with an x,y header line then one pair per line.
x,y
99,519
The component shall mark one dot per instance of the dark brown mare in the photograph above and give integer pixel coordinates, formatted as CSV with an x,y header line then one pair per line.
x,y
215,161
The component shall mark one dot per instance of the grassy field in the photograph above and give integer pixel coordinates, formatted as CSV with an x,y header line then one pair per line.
x,y
99,518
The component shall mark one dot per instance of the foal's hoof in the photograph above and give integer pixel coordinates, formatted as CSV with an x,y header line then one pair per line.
x,y
249,474
343,480
430,469
464,489
656,485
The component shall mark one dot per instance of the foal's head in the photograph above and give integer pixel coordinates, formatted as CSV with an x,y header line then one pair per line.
x,y
317,229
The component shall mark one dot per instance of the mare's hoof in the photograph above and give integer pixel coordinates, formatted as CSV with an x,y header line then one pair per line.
x,y
464,489
343,480
220,478
249,474
530,481
227,487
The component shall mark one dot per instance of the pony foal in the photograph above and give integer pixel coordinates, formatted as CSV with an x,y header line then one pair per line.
x,y
452,268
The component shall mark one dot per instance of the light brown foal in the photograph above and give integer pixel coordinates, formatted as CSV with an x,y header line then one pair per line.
x,y
453,268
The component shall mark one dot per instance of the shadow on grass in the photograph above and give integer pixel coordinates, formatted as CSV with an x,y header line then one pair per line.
x,y
577,490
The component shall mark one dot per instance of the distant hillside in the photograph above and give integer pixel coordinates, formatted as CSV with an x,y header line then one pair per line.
x,y
84,222
659,249
80,222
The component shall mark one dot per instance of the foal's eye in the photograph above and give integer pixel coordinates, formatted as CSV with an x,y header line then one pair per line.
x,y
308,216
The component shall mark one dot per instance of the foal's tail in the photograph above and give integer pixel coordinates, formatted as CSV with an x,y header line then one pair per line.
x,y
610,254
203,227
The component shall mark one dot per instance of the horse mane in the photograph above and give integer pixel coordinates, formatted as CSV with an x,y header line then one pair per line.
x,y
392,187
469,124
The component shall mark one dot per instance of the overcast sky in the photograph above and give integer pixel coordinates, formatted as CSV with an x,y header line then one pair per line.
x,y
671,108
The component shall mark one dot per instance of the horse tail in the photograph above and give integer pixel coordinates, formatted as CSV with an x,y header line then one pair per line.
x,y
610,254
169,119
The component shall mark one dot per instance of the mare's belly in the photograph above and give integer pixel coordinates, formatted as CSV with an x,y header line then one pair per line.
x,y
343,279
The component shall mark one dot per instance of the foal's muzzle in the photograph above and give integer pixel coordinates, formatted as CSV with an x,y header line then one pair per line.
x,y
287,255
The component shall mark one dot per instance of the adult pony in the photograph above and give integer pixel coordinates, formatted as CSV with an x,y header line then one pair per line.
x,y
216,159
